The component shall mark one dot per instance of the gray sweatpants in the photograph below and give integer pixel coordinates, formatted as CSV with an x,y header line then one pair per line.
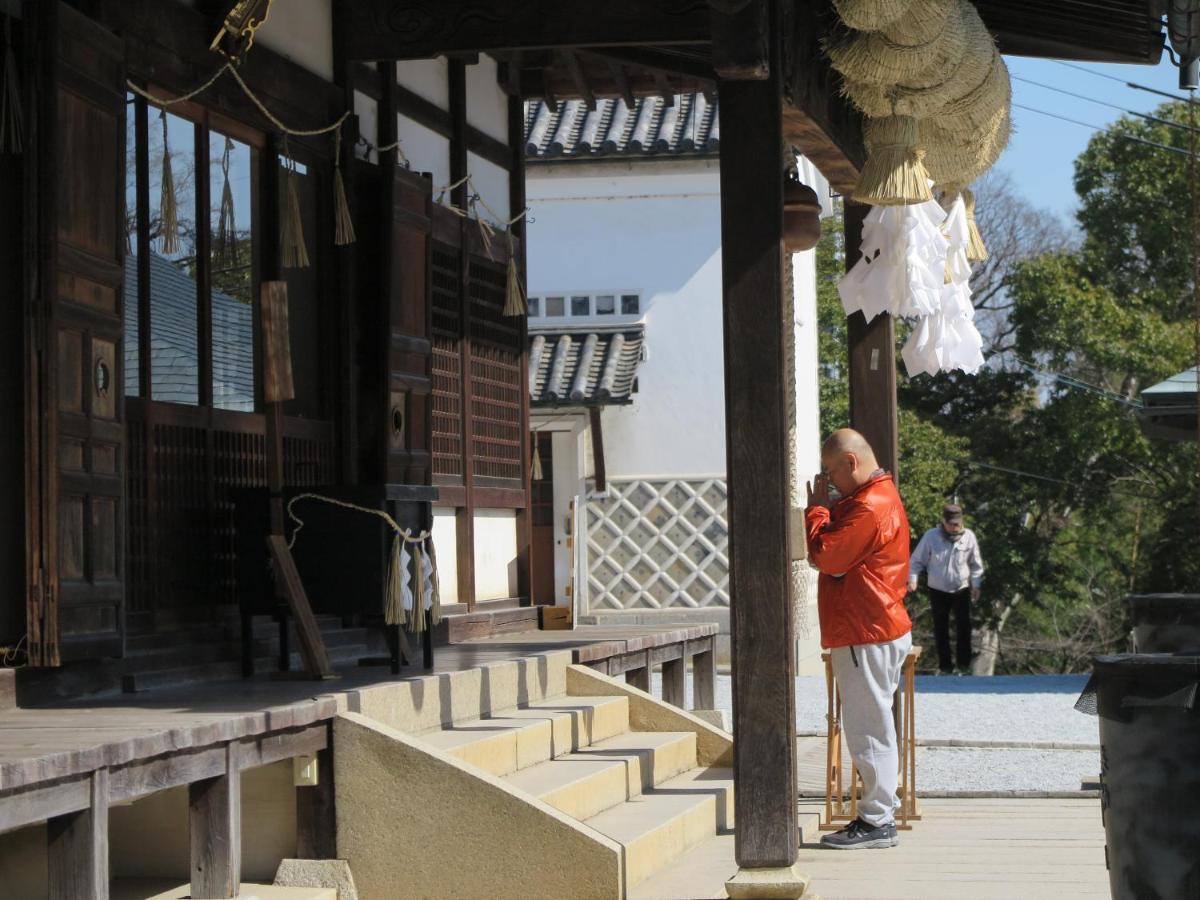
x,y
867,677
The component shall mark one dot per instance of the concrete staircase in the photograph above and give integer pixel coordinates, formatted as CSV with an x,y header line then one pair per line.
x,y
641,781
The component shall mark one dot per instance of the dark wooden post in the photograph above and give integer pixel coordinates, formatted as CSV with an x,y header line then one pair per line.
x,y
77,848
872,363
704,678
674,682
757,464
215,822
316,812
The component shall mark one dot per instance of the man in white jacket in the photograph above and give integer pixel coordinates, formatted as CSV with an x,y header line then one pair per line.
x,y
949,557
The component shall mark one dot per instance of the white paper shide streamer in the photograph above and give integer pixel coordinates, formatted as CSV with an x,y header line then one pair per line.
x,y
914,266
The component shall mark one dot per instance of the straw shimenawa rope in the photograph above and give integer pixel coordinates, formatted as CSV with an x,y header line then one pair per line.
x,y
893,173
952,158
906,99
900,55
870,15
394,613
168,209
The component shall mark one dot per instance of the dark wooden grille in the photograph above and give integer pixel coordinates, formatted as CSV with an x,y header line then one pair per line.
x,y
447,366
182,545
496,428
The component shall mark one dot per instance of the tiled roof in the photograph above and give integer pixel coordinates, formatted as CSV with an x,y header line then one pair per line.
x,y
174,368
584,367
688,127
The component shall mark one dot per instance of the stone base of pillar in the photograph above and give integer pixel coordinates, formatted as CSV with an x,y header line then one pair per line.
x,y
783,883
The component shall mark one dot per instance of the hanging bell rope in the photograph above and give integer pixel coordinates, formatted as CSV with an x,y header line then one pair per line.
x,y
536,474
343,230
893,173
12,125
295,254
226,242
168,210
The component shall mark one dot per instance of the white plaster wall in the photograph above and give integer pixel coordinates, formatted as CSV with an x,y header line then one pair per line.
x,y
445,545
301,30
367,111
495,554
426,78
491,182
487,104
654,228
426,150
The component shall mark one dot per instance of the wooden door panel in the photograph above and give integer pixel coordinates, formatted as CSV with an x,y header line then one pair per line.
x,y
75,433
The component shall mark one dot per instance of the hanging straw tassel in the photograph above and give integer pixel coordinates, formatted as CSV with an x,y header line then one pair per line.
x,y
12,125
537,461
168,210
295,254
226,222
343,228
416,623
893,174
393,608
514,296
435,610
977,250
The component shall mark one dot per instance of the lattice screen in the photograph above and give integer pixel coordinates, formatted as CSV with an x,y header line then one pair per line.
x,y
658,544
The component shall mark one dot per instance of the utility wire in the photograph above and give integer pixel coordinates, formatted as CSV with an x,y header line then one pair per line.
x,y
1071,381
1149,118
1116,134
974,463
1128,84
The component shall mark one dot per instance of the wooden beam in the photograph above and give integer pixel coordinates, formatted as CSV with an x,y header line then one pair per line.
x,y
756,312
598,448
663,62
516,203
872,352
618,74
571,61
394,29
215,824
77,847
817,119
739,39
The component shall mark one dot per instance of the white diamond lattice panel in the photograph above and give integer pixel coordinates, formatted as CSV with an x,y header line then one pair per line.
x,y
658,544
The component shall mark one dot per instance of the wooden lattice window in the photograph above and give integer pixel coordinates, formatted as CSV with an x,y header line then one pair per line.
x,y
447,375
496,427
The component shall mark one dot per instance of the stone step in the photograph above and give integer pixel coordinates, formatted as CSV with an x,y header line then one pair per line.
x,y
663,824
517,738
606,773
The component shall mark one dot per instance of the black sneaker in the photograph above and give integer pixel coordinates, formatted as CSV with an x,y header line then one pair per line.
x,y
859,835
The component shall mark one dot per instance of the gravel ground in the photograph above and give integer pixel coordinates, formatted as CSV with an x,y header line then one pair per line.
x,y
978,712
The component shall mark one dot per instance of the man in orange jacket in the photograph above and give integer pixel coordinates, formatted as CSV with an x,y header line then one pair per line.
x,y
860,545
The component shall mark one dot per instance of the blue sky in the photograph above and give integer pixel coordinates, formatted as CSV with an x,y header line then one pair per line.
x,y
1041,155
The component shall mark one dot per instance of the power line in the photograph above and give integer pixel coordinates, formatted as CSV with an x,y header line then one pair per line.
x,y
1116,489
1116,134
1149,118
1074,382
1128,84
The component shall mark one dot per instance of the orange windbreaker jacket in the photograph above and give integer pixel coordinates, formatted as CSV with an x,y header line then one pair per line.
x,y
861,550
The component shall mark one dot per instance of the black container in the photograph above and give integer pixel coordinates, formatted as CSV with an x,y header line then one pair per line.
x,y
1165,623
1149,708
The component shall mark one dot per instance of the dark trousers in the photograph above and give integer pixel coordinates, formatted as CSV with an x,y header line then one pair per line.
x,y
943,604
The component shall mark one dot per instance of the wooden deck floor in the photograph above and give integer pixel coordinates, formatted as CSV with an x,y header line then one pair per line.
x,y
979,849
63,739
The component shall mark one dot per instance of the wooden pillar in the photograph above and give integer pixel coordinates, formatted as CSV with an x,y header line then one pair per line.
x,y
704,679
465,514
872,367
516,203
757,462
215,823
77,848
640,677
674,683
316,813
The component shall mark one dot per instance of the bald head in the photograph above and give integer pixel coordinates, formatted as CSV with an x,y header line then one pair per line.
x,y
848,459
